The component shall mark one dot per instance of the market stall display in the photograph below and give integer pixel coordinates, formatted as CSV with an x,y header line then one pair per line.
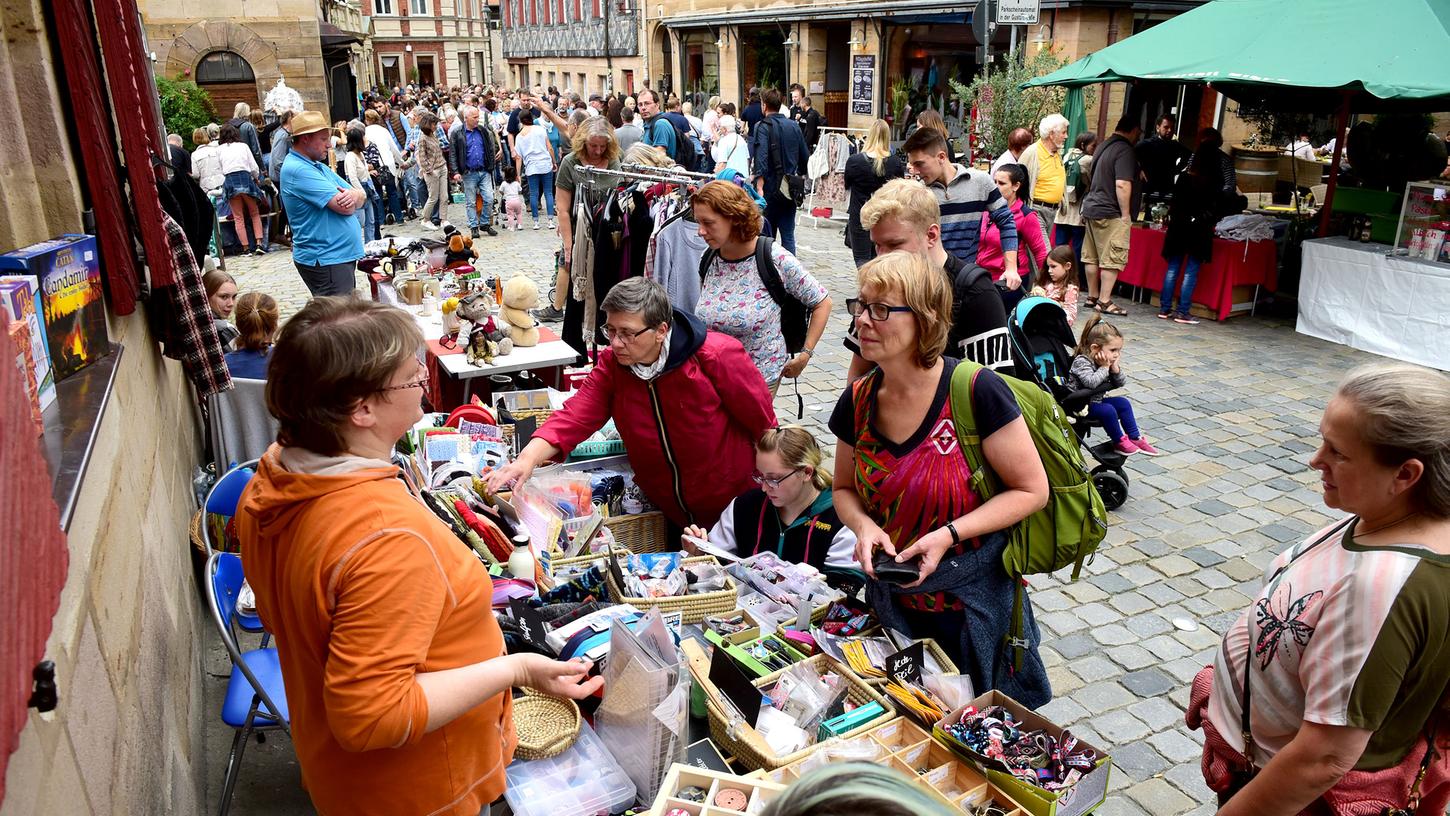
x,y
691,791
1236,267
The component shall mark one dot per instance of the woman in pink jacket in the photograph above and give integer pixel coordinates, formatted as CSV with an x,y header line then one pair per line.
x,y
1031,237
688,404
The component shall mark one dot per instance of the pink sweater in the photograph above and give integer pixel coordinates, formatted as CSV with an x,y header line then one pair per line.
x,y
1029,237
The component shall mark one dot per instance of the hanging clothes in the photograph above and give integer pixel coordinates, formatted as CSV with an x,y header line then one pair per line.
x,y
678,249
181,319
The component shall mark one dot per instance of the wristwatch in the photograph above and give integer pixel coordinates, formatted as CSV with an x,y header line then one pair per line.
x,y
808,351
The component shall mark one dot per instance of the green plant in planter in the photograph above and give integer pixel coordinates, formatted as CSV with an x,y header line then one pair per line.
x,y
185,106
1394,149
1002,103
900,98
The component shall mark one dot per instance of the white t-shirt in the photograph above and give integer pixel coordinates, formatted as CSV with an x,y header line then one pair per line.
x,y
532,145
511,190
237,157
387,147
732,149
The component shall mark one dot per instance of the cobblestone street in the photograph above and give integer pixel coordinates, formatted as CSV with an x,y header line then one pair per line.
x,y
1235,408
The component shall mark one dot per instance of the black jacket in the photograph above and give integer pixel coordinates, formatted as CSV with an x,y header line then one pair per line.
x,y
458,150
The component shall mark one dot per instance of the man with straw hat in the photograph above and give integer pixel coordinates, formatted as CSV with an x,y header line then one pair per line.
x,y
326,239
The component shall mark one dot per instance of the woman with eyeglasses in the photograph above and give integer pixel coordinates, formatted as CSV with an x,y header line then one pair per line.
x,y
903,485
398,687
687,403
791,513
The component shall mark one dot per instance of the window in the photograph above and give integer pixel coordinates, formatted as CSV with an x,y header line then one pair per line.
x,y
223,66
420,8
583,87
382,6
463,68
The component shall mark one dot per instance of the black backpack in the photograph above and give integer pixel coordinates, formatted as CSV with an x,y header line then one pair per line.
x,y
794,316
685,154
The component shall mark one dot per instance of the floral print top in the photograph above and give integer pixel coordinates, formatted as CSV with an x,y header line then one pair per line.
x,y
733,301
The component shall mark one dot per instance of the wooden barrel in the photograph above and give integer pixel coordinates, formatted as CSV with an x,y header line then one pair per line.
x,y
1258,170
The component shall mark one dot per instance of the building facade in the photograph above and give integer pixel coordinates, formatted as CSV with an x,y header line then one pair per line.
x,y
439,43
585,46
317,46
848,55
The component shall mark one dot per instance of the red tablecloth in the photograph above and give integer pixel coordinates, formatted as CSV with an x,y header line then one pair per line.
x,y
1234,264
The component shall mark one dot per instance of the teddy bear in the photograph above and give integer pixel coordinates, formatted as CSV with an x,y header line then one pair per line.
x,y
460,251
520,294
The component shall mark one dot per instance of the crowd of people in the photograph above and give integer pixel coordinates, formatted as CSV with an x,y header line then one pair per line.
x,y
687,375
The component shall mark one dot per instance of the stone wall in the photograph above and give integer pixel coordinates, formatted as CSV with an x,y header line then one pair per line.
x,y
126,738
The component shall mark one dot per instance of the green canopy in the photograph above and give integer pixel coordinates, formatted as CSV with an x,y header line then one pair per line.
x,y
1075,109
1300,55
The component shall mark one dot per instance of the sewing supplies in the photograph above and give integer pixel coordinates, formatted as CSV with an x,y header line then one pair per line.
x,y
1033,757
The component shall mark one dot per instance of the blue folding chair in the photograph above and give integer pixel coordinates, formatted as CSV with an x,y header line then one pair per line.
x,y
222,500
255,699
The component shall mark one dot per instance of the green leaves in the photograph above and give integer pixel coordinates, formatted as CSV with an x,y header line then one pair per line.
x,y
1001,102
185,106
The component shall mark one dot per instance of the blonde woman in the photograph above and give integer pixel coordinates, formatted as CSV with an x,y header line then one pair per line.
x,y
791,513
866,171
711,119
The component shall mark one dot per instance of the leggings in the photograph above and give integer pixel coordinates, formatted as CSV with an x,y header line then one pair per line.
x,y
244,207
1111,412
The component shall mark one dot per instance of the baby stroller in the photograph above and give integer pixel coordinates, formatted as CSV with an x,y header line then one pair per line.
x,y
1041,351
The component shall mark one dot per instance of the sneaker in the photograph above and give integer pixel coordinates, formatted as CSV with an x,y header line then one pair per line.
x,y
388,219
553,225
536,226
259,251
1163,315
488,228
1141,443
518,227
429,225
1187,320
548,313
1125,446
473,232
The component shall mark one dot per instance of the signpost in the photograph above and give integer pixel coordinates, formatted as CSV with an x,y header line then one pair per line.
x,y
1017,12
863,84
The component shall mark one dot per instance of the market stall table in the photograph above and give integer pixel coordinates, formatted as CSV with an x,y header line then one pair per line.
x,y
1234,264
1357,295
547,359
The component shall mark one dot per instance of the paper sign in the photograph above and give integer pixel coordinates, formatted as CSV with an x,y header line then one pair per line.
x,y
532,623
736,687
905,665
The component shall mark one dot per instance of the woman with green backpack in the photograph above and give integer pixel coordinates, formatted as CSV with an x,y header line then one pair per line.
x,y
931,537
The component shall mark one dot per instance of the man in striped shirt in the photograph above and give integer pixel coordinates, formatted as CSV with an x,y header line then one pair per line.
x,y
964,194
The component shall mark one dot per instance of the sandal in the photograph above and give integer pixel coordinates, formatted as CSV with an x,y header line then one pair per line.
x,y
1111,308
1092,303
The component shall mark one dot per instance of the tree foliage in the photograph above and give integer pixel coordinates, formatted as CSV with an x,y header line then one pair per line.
x,y
185,106
1001,102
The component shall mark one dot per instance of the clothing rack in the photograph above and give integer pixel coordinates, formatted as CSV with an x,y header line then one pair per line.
x,y
843,217
649,168
594,175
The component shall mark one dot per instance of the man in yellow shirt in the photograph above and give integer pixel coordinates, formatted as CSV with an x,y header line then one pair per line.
x,y
1046,177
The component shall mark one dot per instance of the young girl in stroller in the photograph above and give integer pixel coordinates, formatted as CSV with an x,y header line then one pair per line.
x,y
1096,365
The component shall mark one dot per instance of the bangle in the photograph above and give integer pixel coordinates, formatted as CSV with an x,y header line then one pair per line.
x,y
951,528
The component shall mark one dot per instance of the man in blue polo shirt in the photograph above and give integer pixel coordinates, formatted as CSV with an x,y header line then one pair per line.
x,y
326,239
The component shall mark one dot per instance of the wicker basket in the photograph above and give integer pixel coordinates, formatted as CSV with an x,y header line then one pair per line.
x,y
751,750
546,725
693,608
641,533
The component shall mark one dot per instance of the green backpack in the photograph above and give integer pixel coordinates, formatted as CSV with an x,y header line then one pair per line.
x,y
1067,530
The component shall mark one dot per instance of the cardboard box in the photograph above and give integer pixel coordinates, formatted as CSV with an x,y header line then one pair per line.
x,y
72,305
20,301
19,334
1087,794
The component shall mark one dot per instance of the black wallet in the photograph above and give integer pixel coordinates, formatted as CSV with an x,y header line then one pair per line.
x,y
887,569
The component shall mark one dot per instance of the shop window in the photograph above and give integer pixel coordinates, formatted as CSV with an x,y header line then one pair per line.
x,y
392,73
223,66
383,7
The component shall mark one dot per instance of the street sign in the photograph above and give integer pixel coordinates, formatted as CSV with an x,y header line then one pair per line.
x,y
863,84
1017,12
982,24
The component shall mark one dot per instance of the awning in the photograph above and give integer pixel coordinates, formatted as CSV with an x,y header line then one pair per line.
x,y
333,37
929,11
1297,55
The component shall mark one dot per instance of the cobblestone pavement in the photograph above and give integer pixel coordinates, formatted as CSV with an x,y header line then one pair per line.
x,y
1234,406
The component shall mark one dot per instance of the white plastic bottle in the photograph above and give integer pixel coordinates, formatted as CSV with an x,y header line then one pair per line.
x,y
521,560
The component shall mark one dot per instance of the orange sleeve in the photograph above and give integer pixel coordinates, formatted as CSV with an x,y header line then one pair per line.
x,y
387,598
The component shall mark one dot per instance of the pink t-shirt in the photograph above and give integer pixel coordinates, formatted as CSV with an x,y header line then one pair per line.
x,y
1029,237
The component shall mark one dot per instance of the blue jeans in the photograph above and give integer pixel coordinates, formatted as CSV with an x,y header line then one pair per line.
x,y
393,198
370,215
1170,280
1116,415
416,187
780,212
476,183
541,183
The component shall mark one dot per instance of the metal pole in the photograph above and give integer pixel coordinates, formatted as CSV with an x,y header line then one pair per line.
x,y
1340,137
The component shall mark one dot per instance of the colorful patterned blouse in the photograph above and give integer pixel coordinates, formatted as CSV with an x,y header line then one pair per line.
x,y
734,301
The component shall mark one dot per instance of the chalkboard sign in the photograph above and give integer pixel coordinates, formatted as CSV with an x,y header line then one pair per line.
x,y
863,84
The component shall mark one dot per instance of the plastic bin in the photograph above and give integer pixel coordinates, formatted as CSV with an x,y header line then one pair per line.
x,y
583,781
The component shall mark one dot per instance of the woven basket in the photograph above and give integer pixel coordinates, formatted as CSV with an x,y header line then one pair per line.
x,y
693,608
641,533
197,540
751,750
546,725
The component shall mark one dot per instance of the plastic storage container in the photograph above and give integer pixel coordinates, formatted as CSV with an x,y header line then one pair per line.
x,y
583,781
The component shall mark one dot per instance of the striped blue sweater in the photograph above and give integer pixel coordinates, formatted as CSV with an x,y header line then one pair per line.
x,y
963,200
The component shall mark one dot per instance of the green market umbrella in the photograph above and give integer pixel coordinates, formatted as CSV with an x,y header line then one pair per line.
x,y
1299,55
1076,112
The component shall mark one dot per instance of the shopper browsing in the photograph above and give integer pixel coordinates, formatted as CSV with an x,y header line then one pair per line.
x,y
257,321
221,296
1097,365
792,513
1057,280
397,682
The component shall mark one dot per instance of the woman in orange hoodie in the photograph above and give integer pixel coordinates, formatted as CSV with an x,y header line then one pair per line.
x,y
394,667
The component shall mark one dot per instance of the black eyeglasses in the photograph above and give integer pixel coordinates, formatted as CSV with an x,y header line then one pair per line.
x,y
765,481
877,311
610,333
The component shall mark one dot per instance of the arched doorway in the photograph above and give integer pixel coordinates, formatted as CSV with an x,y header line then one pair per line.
x,y
228,78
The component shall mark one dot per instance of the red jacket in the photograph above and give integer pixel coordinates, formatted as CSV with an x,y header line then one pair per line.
x,y
690,433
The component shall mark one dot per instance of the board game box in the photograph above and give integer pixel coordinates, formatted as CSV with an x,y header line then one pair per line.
x,y
20,302
72,306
